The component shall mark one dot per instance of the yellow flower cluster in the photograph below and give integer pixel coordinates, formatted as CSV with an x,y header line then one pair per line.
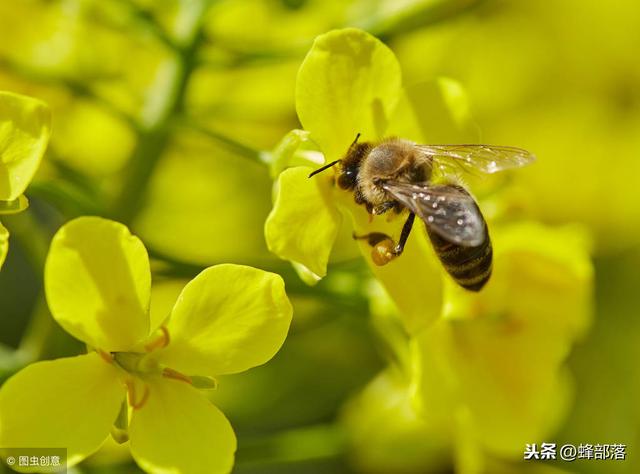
x,y
477,376
486,371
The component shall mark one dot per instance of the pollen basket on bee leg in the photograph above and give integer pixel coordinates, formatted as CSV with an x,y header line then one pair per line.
x,y
383,252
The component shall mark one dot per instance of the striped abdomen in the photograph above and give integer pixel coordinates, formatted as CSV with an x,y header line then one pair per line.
x,y
470,267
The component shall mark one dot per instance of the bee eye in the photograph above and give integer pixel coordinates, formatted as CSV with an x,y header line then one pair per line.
x,y
347,180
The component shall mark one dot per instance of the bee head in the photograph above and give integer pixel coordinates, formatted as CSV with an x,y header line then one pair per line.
x,y
348,178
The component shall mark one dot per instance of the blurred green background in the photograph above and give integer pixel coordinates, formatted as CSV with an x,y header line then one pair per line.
x,y
161,113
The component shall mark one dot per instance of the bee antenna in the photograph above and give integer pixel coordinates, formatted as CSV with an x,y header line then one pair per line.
x,y
333,163
356,140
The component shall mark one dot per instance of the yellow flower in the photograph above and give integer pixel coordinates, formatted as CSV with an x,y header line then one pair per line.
x,y
350,83
4,244
407,444
488,376
25,125
228,319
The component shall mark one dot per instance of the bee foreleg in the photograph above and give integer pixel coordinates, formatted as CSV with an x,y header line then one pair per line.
x,y
384,207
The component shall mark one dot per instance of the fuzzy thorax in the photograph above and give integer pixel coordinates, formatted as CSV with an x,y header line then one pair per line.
x,y
393,159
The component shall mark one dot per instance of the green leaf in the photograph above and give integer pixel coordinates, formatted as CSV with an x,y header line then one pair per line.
x,y
304,222
25,125
349,83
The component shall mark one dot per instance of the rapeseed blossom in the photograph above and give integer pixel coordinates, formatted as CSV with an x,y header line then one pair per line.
x,y
349,83
25,125
483,368
490,375
493,367
227,319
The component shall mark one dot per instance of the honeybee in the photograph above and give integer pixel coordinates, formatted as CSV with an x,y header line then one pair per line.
x,y
398,174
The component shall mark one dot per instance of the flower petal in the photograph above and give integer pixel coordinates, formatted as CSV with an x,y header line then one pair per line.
x,y
66,403
4,243
293,150
419,302
348,83
509,378
179,430
304,222
25,125
387,401
434,111
227,319
98,281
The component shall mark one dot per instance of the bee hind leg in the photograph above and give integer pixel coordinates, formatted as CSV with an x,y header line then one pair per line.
x,y
384,249
404,235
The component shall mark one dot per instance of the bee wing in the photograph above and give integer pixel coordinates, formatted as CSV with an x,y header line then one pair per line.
x,y
448,210
484,158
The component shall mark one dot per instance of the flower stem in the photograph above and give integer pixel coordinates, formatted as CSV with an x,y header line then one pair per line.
x,y
232,145
34,239
164,103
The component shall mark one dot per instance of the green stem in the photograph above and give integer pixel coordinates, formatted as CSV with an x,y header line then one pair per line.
x,y
36,337
229,143
156,132
142,163
34,240
69,199
144,21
